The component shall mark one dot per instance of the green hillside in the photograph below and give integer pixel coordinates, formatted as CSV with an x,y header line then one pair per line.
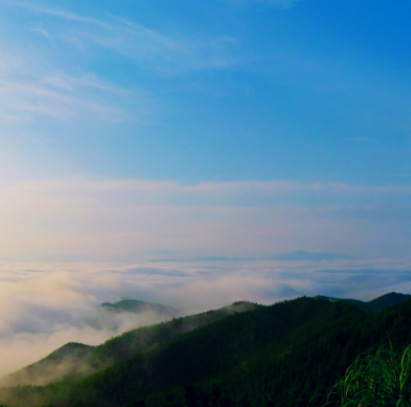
x,y
70,359
305,364
204,353
282,355
386,301
76,359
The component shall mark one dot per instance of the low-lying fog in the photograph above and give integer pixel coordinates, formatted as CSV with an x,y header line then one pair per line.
x,y
42,307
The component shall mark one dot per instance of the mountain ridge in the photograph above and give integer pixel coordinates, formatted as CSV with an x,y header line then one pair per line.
x,y
76,359
375,305
228,358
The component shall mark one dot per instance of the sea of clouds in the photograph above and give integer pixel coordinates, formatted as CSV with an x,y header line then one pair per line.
x,y
44,306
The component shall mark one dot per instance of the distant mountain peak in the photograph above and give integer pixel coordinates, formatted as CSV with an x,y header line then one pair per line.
x,y
137,306
377,304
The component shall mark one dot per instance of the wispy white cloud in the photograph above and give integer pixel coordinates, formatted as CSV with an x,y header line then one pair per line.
x,y
66,15
34,85
83,185
29,92
40,30
146,46
153,50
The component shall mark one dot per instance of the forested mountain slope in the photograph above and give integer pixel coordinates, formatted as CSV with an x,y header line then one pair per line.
x,y
302,366
75,359
283,355
204,353
71,358
385,301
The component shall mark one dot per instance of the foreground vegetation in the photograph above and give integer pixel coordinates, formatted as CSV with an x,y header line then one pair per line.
x,y
288,354
383,379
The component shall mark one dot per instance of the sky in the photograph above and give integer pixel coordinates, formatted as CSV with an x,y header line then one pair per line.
x,y
230,149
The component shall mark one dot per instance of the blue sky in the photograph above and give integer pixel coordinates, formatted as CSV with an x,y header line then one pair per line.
x,y
288,119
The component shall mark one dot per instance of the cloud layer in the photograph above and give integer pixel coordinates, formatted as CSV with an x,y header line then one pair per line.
x,y
44,306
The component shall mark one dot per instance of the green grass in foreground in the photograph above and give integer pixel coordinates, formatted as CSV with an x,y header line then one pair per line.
x,y
380,379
